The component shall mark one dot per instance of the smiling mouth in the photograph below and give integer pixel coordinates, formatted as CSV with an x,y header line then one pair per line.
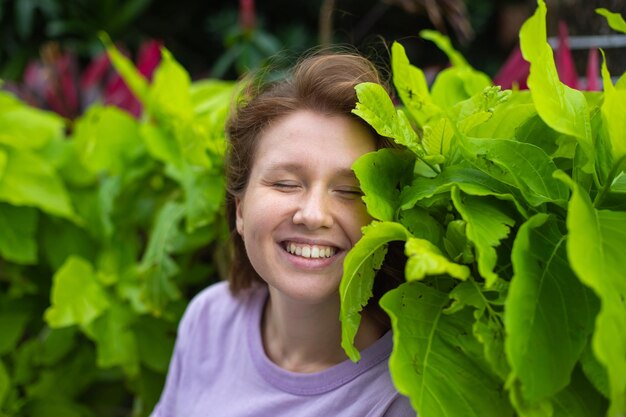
x,y
310,251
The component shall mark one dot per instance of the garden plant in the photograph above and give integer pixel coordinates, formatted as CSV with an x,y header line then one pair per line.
x,y
511,205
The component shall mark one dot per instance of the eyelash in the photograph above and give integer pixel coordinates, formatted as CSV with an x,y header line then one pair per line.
x,y
287,186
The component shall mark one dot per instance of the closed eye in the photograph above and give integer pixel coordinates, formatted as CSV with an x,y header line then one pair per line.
x,y
285,185
350,192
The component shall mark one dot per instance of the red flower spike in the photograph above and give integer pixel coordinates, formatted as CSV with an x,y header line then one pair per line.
x,y
247,15
593,72
564,62
514,72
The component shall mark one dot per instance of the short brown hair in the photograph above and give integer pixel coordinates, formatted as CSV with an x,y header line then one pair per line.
x,y
323,82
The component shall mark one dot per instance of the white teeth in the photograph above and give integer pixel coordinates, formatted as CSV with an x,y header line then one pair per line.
x,y
310,251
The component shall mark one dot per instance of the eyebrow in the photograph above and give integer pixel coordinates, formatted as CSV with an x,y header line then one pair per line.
x,y
292,167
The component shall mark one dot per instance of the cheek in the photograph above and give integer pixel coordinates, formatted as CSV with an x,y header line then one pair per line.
x,y
356,217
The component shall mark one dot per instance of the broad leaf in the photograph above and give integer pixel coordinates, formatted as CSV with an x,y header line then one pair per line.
x,y
359,270
469,180
425,259
410,82
77,297
594,252
377,109
17,239
157,266
615,20
561,107
382,175
487,224
613,114
434,358
549,313
521,165
29,180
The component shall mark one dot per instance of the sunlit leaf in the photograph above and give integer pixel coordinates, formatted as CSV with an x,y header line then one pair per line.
x,y
549,313
359,268
434,358
562,108
77,297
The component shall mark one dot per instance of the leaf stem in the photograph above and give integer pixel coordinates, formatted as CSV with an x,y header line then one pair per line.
x,y
617,168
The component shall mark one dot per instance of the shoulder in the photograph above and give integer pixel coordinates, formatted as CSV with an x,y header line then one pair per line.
x,y
211,306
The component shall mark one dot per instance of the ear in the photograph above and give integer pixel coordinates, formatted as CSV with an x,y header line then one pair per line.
x,y
239,215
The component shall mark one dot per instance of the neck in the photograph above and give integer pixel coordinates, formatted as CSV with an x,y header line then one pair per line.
x,y
306,338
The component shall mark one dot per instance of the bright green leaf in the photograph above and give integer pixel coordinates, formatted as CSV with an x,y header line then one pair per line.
x,y
169,94
377,109
613,114
359,269
107,139
549,313
434,359
127,70
594,249
521,165
77,297
561,107
382,175
29,180
487,224
615,20
410,82
425,259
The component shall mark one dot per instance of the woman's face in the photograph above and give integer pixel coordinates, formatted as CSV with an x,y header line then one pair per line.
x,y
302,209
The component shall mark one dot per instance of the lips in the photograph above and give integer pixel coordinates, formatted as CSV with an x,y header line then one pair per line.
x,y
310,251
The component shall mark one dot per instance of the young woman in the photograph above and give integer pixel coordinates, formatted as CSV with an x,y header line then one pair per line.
x,y
268,342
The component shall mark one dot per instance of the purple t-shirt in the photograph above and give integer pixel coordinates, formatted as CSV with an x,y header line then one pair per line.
x,y
219,368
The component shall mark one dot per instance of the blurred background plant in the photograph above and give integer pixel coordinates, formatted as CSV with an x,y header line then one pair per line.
x,y
53,58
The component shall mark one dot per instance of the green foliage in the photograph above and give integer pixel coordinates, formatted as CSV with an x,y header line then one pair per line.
x,y
512,207
108,227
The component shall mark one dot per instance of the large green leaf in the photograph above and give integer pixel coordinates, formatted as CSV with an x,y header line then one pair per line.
x,y
359,269
426,259
470,180
77,297
382,175
487,224
157,267
17,240
131,75
549,313
410,82
107,139
434,359
615,20
115,340
29,180
26,127
561,107
519,164
377,109
488,328
169,95
595,251
613,114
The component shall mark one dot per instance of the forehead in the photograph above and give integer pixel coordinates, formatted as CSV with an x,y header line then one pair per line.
x,y
309,139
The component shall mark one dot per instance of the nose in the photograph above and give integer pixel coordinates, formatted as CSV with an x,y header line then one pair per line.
x,y
314,210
